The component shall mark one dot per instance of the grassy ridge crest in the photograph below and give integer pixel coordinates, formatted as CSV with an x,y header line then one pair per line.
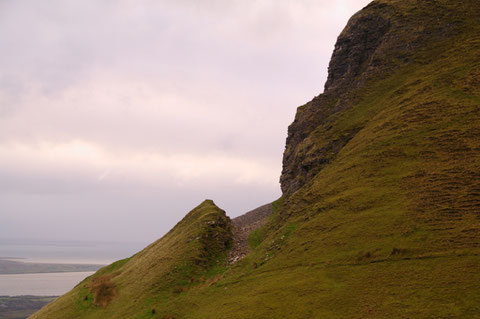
x,y
185,257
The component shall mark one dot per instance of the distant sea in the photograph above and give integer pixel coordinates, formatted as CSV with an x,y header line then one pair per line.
x,y
52,284
71,252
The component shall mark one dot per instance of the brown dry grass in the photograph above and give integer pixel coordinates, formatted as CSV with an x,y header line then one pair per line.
x,y
104,290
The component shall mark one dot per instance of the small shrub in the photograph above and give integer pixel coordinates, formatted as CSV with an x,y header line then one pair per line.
x,y
178,290
398,251
364,256
104,290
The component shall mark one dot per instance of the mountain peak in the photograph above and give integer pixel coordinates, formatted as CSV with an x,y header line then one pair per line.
x,y
379,216
380,40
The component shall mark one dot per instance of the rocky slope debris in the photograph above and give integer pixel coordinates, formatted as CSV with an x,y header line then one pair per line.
x,y
243,226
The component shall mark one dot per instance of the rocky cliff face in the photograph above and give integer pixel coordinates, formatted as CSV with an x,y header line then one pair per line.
x,y
356,46
376,42
387,222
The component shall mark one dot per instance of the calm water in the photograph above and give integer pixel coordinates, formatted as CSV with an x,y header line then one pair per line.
x,y
53,284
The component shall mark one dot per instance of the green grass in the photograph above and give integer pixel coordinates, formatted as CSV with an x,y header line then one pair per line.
x,y
255,238
191,253
388,228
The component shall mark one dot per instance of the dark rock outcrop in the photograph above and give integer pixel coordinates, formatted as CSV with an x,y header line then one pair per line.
x,y
356,45
374,44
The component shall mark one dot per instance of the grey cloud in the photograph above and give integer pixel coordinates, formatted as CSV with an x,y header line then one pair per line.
x,y
124,110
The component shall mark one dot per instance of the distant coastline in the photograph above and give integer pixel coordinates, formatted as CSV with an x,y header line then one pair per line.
x,y
22,306
11,265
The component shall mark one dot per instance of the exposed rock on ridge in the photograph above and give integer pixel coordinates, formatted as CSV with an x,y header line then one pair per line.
x,y
355,48
242,226
376,41
354,54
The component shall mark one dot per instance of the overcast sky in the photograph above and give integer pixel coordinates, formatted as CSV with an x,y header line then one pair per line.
x,y
118,117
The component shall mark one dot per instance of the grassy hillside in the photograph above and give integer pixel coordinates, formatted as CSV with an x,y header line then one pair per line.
x,y
189,255
387,226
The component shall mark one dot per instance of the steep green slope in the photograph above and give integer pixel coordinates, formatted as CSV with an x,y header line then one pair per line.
x,y
188,255
380,216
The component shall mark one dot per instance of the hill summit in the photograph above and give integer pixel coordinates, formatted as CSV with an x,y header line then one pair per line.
x,y
380,213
